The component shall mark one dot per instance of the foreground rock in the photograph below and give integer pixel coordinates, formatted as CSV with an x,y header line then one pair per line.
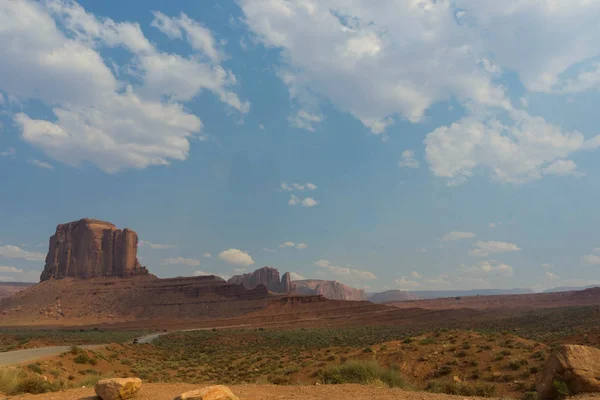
x,y
118,388
89,248
266,276
217,392
571,367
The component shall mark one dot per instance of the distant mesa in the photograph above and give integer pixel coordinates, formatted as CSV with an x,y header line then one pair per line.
x,y
90,248
266,276
329,289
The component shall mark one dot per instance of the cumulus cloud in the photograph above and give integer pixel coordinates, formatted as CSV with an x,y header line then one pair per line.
x,y
406,284
296,277
457,235
309,202
515,153
416,275
40,164
486,268
594,258
202,273
189,262
408,160
483,249
9,152
305,120
300,246
298,186
155,246
13,274
131,121
347,272
10,269
10,251
550,276
546,265
207,255
237,257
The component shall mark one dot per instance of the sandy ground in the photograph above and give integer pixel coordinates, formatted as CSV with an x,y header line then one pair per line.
x,y
269,392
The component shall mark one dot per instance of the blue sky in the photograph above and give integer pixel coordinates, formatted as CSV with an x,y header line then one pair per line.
x,y
410,144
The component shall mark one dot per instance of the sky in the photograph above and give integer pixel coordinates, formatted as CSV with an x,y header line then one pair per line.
x,y
398,144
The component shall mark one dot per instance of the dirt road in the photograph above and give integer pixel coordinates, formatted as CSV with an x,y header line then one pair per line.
x,y
23,356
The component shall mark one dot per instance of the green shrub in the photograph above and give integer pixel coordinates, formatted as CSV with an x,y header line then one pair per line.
x,y
82,358
461,389
530,396
561,388
363,372
35,368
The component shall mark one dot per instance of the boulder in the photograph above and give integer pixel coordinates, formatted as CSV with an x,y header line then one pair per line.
x,y
573,367
216,392
118,388
90,248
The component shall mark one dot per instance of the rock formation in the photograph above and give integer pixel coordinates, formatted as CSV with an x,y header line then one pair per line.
x,y
571,368
90,248
329,289
266,276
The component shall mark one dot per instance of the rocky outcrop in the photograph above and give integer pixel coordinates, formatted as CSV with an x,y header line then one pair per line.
x,y
90,248
266,276
329,289
118,388
570,370
215,392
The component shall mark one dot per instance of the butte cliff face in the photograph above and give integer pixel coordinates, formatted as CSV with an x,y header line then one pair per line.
x,y
266,276
90,248
329,289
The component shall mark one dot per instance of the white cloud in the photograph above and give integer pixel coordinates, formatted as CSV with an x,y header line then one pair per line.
x,y
296,277
592,259
155,246
261,127
298,186
562,168
237,257
197,35
517,153
546,265
305,120
207,255
486,268
550,276
301,246
287,244
399,64
492,225
457,235
347,272
269,250
293,200
202,273
240,270
416,275
9,152
483,249
10,269
406,284
10,251
115,124
190,262
40,164
309,202
408,160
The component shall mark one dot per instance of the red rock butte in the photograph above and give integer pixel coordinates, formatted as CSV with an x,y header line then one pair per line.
x,y
90,248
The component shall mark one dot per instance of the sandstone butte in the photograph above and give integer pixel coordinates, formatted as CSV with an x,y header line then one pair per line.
x,y
266,276
90,248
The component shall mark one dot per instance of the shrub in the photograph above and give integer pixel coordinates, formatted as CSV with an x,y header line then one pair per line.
x,y
82,358
9,379
514,365
364,372
443,371
561,388
35,368
530,396
461,389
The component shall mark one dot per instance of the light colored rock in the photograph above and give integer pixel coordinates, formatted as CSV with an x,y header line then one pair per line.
x,y
577,366
118,388
216,392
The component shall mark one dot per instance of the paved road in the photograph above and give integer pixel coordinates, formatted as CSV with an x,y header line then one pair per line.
x,y
28,355
23,356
